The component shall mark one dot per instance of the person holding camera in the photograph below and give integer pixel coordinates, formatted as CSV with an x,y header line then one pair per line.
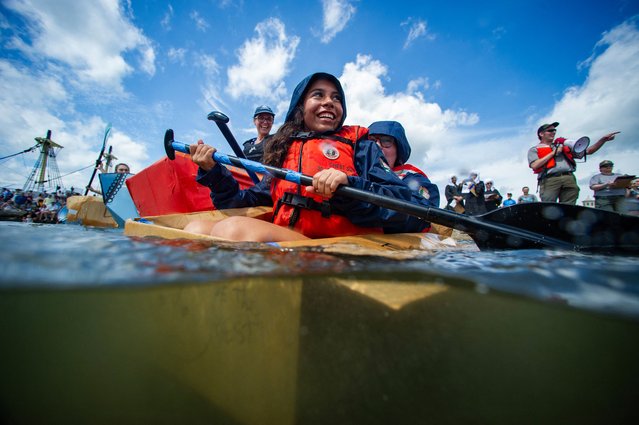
x,y
555,165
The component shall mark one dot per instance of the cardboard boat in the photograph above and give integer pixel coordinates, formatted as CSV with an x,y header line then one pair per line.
x,y
397,246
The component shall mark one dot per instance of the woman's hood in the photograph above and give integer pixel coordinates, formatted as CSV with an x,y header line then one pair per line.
x,y
395,129
300,91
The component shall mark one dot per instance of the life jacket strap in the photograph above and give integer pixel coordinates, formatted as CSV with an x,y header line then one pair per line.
x,y
299,201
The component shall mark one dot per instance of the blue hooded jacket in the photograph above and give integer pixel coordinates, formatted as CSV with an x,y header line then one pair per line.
x,y
416,181
372,175
396,130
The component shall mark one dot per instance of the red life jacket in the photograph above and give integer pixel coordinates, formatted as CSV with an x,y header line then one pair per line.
x,y
403,170
543,150
311,214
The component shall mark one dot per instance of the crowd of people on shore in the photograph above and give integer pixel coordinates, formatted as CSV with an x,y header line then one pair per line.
x,y
33,207
553,161
473,196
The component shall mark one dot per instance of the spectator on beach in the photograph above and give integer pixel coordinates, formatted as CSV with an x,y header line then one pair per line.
x,y
6,194
454,198
343,155
526,197
492,197
263,119
608,196
19,198
28,203
473,192
391,139
554,164
9,206
509,200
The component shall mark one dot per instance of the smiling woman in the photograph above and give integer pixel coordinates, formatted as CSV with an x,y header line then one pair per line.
x,y
314,141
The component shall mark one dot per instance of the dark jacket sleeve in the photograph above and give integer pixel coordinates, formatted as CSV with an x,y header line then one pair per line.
x,y
449,192
499,198
418,181
374,177
226,193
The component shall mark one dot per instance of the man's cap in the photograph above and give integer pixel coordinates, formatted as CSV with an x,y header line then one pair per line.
x,y
263,109
606,162
545,126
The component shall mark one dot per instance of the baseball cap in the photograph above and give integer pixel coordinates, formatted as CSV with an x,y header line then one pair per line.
x,y
263,109
606,162
545,126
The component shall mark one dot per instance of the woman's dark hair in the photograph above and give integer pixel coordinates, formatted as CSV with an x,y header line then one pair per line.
x,y
277,145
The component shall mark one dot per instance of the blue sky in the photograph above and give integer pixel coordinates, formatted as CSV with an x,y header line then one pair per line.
x,y
470,81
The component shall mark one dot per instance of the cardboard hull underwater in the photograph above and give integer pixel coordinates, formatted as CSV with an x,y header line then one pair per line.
x,y
311,350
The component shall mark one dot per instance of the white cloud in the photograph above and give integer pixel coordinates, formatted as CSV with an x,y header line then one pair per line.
x,y
177,55
26,100
417,28
167,19
209,64
263,62
211,89
88,37
427,124
200,23
337,14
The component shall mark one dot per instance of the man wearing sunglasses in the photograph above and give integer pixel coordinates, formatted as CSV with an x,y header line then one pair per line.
x,y
555,166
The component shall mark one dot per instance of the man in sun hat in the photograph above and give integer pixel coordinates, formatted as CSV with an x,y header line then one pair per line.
x,y
555,166
263,119
607,195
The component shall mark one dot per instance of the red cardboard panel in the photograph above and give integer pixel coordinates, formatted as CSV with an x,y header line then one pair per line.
x,y
169,187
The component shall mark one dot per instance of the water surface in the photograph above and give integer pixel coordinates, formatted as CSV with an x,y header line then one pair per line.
x,y
69,256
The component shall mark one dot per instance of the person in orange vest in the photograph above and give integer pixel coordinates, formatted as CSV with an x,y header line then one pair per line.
x,y
555,165
314,141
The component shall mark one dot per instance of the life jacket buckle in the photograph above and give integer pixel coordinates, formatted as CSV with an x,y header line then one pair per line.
x,y
300,201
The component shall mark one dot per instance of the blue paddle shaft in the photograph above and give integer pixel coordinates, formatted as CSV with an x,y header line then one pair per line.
x,y
249,165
